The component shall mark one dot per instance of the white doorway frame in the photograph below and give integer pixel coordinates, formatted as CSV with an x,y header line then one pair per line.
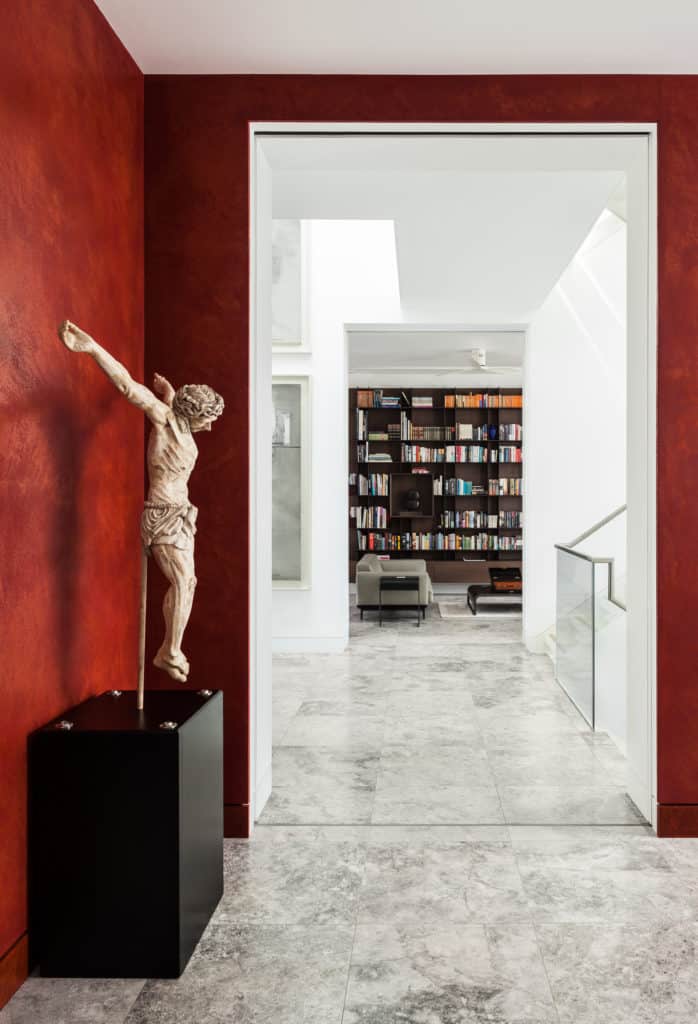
x,y
642,426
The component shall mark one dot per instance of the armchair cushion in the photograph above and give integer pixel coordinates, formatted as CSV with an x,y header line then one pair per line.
x,y
369,563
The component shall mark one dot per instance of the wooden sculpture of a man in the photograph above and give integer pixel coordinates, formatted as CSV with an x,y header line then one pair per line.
x,y
168,523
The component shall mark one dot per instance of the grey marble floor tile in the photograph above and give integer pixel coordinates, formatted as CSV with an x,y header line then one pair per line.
x,y
414,728
629,882
534,742
525,834
592,852
468,631
455,882
285,707
434,835
292,880
332,724
452,646
573,805
349,683
682,854
279,834
608,755
293,662
414,803
497,709
432,765
279,727
440,663
316,785
446,972
429,693
255,975
497,688
560,766
71,1001
622,975
438,784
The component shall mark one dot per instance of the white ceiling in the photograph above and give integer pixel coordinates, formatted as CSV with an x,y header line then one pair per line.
x,y
403,358
484,227
413,350
439,37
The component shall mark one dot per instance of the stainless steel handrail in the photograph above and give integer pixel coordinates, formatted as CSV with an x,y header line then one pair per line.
x,y
596,560
595,527
591,558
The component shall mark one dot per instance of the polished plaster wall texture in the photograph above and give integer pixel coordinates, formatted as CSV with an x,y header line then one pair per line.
x,y
197,316
71,487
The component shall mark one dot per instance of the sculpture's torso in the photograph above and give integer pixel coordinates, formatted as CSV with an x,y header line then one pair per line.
x,y
171,457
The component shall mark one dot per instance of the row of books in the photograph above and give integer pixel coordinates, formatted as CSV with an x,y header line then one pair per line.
x,y
507,454
510,520
468,520
384,435
374,517
483,401
437,541
449,453
378,484
458,487
363,454
476,520
510,432
410,431
374,398
504,486
471,432
374,483
510,543
511,486
391,432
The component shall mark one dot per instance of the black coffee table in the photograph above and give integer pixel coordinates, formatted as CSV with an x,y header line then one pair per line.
x,y
399,583
505,599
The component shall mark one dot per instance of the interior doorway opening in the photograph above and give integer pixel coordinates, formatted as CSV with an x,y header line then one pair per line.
x,y
554,156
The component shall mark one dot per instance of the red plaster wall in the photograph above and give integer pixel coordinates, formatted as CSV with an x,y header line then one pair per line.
x,y
71,484
197,321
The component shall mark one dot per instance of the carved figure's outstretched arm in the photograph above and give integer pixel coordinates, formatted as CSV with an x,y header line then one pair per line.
x,y
78,341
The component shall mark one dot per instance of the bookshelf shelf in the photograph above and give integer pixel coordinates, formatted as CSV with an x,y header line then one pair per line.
x,y
405,533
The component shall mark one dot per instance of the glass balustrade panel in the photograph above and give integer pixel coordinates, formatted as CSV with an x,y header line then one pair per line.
x,y
574,663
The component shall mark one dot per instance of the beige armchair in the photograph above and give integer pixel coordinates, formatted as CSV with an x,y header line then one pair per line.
x,y
368,576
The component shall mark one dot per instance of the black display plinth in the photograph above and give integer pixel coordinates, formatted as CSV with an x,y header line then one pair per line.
x,y
125,834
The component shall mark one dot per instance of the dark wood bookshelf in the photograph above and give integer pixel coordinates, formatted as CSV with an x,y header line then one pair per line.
x,y
445,564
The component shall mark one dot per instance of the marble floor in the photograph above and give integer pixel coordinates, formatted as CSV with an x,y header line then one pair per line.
x,y
446,844
451,723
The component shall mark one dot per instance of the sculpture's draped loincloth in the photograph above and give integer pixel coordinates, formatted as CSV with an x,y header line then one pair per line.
x,y
168,524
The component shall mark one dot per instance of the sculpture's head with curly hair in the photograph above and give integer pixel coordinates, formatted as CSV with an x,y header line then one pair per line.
x,y
198,404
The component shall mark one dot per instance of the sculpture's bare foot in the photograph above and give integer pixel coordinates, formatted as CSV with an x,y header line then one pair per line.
x,y
75,339
176,668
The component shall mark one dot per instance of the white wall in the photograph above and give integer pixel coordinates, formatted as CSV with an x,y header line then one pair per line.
x,y
260,419
352,276
574,412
